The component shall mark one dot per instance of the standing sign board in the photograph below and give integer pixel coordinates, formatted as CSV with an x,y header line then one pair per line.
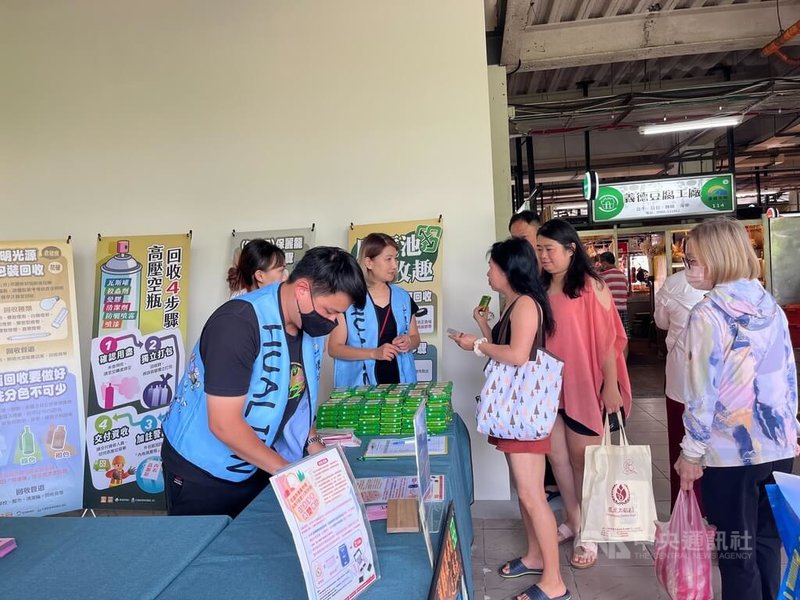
x,y
664,198
329,525
137,360
41,398
294,242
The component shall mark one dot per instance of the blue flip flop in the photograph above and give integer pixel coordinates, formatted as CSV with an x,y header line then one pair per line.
x,y
517,568
535,593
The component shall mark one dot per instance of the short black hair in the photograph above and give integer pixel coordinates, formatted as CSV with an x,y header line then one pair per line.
x,y
607,257
331,270
526,215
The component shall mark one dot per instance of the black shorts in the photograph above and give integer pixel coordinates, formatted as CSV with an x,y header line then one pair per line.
x,y
192,491
582,429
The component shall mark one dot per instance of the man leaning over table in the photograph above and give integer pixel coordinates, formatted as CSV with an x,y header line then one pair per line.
x,y
245,407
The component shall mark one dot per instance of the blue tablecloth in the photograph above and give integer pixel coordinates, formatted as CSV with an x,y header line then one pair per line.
x,y
120,558
255,556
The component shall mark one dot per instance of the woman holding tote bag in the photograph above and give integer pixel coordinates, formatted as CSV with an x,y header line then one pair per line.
x,y
513,274
590,339
741,405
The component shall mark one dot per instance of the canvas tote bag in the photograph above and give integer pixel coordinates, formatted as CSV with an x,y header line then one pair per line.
x,y
618,502
521,403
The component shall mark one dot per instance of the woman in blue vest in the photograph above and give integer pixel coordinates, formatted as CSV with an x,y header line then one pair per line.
x,y
258,264
375,344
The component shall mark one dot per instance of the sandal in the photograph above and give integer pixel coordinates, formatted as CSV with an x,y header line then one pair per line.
x,y
565,533
535,593
552,495
516,568
585,559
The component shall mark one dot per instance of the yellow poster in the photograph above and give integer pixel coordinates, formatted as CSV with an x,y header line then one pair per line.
x,y
41,396
137,359
419,272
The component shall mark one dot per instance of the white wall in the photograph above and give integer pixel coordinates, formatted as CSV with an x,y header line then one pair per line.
x,y
165,116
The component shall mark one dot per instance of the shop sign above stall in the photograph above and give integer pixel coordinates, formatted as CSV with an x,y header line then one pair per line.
x,y
678,197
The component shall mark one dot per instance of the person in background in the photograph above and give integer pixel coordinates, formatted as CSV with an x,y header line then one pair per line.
x,y
245,405
741,405
617,283
376,344
590,339
513,274
673,302
257,265
524,224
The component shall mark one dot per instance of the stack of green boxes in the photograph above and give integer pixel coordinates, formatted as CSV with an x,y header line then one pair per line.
x,y
387,409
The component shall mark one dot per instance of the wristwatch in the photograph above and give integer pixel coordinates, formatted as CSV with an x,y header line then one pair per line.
x,y
315,439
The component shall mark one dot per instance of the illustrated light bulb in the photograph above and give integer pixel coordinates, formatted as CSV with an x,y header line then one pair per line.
x,y
48,303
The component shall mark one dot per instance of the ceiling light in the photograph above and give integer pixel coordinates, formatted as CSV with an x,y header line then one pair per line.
x,y
691,125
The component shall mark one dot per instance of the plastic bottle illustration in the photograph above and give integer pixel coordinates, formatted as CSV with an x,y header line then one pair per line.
x,y
59,438
27,441
121,266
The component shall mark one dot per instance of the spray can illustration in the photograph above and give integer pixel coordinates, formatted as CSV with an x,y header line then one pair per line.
x,y
27,441
120,284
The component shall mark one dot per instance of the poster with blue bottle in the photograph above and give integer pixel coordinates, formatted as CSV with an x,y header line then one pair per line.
x,y
137,358
41,396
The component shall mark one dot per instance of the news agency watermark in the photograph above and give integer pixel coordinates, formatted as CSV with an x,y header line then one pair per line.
x,y
725,545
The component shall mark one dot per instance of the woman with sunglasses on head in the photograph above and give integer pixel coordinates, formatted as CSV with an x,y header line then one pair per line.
x,y
257,264
741,405
590,339
375,344
522,327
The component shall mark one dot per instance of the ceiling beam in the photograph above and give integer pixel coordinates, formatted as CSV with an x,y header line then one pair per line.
x,y
639,36
690,83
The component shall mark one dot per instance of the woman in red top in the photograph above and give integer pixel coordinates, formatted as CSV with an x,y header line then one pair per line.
x,y
590,339
513,274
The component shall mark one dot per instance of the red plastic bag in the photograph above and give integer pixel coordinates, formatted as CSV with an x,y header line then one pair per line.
x,y
683,551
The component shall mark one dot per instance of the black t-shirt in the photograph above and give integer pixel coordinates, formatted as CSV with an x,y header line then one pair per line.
x,y
387,371
229,347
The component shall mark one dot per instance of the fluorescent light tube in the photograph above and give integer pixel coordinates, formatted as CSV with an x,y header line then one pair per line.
x,y
690,125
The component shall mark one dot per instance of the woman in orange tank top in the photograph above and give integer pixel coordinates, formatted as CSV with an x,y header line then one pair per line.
x,y
590,339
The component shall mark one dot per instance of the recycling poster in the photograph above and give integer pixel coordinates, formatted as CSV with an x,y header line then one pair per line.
x,y
137,358
294,242
419,272
41,396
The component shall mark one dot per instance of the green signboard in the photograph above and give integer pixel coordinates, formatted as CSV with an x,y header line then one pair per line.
x,y
665,198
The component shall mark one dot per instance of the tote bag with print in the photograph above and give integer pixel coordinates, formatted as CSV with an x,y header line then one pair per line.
x,y
521,403
618,502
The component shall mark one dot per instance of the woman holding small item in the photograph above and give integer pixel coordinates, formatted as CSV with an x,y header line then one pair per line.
x,y
527,319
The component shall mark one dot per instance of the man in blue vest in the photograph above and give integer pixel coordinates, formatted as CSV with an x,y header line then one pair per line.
x,y
246,405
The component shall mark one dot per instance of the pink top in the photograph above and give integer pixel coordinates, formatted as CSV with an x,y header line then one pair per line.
x,y
585,333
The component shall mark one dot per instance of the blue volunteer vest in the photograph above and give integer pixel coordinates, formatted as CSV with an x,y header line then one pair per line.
x,y
186,423
362,332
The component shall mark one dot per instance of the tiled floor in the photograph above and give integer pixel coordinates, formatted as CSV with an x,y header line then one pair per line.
x,y
623,572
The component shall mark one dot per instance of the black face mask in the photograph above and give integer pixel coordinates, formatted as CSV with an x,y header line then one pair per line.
x,y
313,323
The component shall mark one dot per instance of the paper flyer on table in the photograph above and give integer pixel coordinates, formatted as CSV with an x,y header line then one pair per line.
x,y
329,525
376,490
396,448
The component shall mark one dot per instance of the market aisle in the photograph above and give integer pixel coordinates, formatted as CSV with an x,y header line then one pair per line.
x,y
623,571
